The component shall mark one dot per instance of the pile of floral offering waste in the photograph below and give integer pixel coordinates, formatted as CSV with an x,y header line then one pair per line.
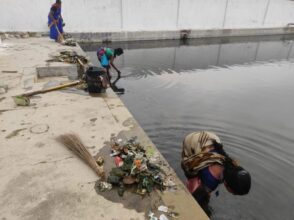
x,y
69,57
133,170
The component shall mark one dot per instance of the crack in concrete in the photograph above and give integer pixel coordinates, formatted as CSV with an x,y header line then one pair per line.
x,y
53,161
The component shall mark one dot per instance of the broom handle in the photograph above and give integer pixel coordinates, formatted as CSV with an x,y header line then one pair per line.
x,y
51,89
59,34
80,62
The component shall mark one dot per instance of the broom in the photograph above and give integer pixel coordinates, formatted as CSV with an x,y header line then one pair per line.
x,y
75,144
24,99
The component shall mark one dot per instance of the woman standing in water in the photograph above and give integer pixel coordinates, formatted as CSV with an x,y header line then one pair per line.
x,y
206,165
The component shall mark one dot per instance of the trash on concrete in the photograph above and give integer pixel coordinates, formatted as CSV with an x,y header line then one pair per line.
x,y
103,186
69,57
134,168
151,215
69,42
169,212
169,183
121,190
21,100
100,161
173,214
73,58
118,161
163,208
128,180
163,217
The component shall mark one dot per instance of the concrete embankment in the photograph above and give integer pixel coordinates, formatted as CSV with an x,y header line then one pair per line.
x,y
40,178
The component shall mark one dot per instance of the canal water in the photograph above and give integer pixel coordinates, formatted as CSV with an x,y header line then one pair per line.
x,y
242,89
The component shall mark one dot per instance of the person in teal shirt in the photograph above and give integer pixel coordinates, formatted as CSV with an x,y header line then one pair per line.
x,y
106,58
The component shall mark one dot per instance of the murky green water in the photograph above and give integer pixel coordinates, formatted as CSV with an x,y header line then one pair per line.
x,y
242,89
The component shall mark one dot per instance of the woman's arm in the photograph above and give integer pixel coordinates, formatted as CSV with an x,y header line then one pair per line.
x,y
112,64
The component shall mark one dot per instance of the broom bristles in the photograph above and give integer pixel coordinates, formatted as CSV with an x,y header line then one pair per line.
x,y
75,144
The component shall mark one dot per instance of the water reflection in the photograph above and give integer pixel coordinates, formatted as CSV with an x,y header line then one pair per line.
x,y
114,87
175,56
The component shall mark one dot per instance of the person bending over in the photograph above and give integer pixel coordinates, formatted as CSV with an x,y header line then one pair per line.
x,y
106,58
206,165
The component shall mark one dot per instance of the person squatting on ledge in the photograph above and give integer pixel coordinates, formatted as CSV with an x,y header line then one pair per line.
x,y
206,165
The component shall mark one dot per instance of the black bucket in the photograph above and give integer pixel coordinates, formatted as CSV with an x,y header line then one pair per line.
x,y
96,79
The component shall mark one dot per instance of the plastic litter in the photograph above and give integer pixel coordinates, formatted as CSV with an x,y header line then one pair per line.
x,y
163,208
151,215
118,161
173,214
102,186
100,161
133,167
163,217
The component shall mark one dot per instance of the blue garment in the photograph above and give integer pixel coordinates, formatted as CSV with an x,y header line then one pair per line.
x,y
104,55
54,29
208,179
104,61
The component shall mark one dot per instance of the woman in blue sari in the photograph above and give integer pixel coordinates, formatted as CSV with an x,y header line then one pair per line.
x,y
55,22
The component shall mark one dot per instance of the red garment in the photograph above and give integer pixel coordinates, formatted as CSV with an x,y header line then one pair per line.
x,y
193,183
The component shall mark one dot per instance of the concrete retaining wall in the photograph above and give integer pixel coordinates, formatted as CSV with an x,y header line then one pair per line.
x,y
131,17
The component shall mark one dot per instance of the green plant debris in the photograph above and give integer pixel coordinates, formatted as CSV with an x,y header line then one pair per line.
x,y
21,100
133,168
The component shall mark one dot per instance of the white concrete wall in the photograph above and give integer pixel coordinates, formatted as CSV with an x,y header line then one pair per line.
x,y
147,15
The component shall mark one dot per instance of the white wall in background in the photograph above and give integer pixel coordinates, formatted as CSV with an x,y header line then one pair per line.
x,y
147,15
201,14
247,14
